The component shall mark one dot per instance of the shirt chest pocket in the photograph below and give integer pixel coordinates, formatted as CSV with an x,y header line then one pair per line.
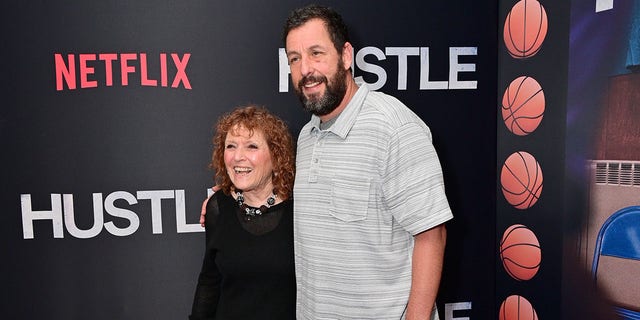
x,y
350,199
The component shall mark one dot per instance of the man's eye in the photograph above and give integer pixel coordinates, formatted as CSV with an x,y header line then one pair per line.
x,y
294,59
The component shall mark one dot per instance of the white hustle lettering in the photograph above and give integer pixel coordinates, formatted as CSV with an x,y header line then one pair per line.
x,y
118,205
449,308
408,60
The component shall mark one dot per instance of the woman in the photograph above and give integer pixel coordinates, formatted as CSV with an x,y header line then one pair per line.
x,y
248,268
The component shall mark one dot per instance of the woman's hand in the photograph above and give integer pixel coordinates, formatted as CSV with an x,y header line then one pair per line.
x,y
203,210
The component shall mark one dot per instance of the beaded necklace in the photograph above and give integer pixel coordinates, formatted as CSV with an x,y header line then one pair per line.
x,y
251,211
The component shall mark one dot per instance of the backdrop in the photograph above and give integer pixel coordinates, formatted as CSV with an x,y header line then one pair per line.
x,y
106,126
569,168
534,41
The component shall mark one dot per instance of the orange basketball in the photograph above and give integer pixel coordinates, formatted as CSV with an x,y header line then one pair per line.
x,y
525,29
516,307
520,252
521,180
523,105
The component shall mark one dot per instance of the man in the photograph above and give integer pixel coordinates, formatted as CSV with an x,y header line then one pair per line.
x,y
370,205
369,200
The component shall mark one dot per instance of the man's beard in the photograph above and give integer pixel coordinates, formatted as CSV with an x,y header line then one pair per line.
x,y
333,95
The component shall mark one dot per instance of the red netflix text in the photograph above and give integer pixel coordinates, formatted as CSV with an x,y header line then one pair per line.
x,y
87,69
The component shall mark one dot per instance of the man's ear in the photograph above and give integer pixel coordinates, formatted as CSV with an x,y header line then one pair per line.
x,y
347,55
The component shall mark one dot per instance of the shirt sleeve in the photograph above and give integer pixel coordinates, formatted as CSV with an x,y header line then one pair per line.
x,y
413,186
207,292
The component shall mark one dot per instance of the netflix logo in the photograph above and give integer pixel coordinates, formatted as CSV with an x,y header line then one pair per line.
x,y
91,70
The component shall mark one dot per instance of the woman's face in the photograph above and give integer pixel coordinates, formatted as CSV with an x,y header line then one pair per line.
x,y
248,160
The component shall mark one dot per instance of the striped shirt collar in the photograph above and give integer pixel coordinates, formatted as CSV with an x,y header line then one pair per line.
x,y
347,118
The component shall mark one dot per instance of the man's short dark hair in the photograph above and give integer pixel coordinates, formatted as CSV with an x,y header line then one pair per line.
x,y
338,31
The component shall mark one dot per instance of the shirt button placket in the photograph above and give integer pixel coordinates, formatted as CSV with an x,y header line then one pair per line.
x,y
315,161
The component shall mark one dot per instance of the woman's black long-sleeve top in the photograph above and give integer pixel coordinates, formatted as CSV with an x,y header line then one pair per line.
x,y
248,267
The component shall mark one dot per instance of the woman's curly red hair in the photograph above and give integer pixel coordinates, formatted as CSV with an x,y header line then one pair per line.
x,y
278,137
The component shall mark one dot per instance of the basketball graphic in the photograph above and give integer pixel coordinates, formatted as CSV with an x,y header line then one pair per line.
x,y
521,180
516,307
523,105
525,29
520,252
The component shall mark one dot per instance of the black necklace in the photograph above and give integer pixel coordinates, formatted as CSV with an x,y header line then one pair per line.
x,y
251,211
